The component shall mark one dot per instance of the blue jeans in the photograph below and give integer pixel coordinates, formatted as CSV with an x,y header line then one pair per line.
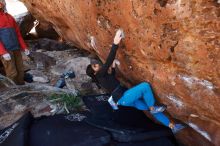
x,y
141,97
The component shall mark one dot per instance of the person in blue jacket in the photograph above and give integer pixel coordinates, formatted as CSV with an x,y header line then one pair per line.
x,y
139,96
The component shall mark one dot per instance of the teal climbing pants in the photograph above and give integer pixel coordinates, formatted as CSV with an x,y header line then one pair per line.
x,y
141,97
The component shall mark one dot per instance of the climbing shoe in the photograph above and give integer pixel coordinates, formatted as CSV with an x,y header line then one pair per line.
x,y
177,128
158,109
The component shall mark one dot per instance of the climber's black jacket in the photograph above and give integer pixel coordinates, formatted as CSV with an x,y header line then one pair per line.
x,y
106,80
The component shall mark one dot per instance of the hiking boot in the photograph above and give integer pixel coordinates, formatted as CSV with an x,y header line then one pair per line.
x,y
177,128
158,109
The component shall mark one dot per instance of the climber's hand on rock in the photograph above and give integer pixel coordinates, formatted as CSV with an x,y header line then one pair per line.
x,y
7,56
115,62
118,36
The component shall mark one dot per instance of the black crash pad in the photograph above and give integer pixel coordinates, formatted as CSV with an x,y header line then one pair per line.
x,y
61,130
17,133
163,141
126,124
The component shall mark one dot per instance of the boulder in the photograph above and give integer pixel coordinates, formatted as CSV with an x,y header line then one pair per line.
x,y
39,76
25,22
5,82
41,61
17,100
46,32
173,44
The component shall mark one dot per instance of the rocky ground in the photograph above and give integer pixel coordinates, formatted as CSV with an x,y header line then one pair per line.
x,y
48,61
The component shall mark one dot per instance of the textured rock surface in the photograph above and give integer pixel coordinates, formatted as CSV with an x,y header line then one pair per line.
x,y
46,32
47,64
25,22
16,100
173,44
5,82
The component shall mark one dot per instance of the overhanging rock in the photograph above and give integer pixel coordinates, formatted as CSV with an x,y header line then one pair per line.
x,y
174,45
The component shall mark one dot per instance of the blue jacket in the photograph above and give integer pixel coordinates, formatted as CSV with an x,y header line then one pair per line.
x,y
9,39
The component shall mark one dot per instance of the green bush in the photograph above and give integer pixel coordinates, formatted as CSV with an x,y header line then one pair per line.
x,y
70,101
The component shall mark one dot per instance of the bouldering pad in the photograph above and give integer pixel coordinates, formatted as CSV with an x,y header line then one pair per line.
x,y
18,133
126,124
62,130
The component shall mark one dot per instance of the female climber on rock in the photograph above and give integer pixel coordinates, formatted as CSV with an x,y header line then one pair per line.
x,y
139,96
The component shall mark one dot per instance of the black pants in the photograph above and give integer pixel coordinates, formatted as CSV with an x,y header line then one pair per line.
x,y
118,92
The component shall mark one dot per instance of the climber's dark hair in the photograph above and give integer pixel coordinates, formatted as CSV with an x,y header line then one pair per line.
x,y
90,72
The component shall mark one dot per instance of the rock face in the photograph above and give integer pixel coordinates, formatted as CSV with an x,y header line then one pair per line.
x,y
46,32
25,22
173,44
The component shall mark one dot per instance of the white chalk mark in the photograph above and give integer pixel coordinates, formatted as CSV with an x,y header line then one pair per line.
x,y
107,25
194,116
208,84
194,80
175,100
202,132
99,22
143,52
93,42
178,3
173,83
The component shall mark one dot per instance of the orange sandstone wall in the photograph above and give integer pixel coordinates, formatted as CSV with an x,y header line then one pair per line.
x,y
173,44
